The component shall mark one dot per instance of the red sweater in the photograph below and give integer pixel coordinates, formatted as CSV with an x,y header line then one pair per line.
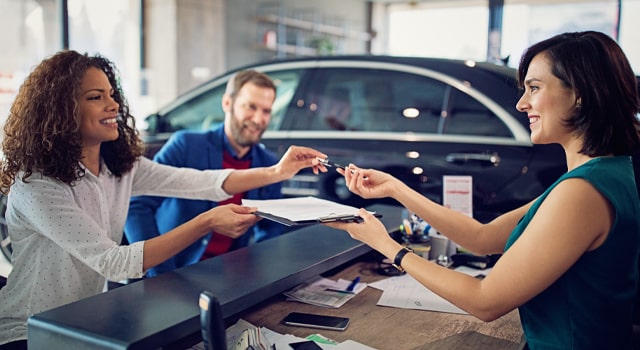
x,y
220,243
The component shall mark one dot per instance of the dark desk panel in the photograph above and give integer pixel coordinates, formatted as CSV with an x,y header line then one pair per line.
x,y
154,312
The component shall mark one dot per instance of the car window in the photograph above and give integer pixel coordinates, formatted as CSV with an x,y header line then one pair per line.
x,y
204,110
467,116
199,112
378,100
287,82
359,99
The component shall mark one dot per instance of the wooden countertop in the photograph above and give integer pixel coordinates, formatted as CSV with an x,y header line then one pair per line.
x,y
391,328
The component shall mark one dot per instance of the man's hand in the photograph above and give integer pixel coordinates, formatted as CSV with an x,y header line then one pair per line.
x,y
297,158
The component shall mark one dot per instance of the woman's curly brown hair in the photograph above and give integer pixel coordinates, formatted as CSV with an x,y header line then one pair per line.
x,y
42,132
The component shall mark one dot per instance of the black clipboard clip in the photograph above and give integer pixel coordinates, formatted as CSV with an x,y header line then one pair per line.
x,y
345,218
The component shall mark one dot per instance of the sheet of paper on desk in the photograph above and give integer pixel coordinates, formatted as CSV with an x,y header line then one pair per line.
x,y
321,292
406,293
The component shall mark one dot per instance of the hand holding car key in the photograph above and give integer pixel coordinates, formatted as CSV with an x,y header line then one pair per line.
x,y
328,163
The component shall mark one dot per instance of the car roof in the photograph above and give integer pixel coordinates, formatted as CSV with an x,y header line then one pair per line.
x,y
426,62
496,81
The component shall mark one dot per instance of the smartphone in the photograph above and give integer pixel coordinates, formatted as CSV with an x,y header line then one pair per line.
x,y
316,321
305,345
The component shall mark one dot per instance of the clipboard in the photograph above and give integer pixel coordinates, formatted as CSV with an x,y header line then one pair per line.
x,y
289,222
304,211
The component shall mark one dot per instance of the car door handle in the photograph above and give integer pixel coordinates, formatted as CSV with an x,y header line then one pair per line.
x,y
492,159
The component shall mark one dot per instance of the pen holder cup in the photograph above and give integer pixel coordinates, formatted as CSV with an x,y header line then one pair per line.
x,y
441,245
421,249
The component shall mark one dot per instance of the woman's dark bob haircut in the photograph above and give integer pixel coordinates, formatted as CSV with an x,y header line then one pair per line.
x,y
595,68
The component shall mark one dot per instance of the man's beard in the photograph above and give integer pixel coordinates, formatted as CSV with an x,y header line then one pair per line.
x,y
236,131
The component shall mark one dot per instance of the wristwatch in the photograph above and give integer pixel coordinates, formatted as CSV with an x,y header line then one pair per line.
x,y
397,261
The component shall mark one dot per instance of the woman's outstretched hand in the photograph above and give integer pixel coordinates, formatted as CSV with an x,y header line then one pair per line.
x,y
370,231
368,183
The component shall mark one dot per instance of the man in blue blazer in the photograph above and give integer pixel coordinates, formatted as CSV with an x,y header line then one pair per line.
x,y
247,104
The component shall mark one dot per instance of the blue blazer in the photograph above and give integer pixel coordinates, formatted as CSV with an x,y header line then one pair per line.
x,y
151,216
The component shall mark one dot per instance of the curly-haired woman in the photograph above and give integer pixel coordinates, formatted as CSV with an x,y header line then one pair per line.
x,y
72,160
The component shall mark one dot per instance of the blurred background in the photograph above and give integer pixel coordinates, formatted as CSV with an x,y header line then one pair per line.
x,y
166,47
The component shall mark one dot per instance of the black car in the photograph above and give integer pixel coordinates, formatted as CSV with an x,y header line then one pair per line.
x,y
417,118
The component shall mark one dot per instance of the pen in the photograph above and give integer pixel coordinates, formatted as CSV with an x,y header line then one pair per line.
x,y
353,284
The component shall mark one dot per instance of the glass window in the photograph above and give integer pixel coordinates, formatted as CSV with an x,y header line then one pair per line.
x,y
200,112
31,31
522,26
347,99
110,28
377,100
449,29
467,116
629,29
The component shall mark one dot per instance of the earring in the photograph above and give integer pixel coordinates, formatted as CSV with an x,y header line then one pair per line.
x,y
579,103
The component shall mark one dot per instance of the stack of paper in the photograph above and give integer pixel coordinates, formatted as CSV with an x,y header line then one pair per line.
x,y
250,338
324,292
273,340
242,336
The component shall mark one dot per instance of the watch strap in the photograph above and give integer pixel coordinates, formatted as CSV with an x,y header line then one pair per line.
x,y
397,261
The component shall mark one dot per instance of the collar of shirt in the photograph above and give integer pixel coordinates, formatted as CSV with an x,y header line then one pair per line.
x,y
104,169
227,147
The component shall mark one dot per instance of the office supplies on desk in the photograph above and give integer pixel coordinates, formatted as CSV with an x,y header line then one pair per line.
x,y
353,284
349,288
324,292
300,211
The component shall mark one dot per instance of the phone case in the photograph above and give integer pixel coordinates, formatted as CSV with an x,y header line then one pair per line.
x,y
316,321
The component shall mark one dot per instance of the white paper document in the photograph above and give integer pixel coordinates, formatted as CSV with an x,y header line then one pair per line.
x,y
406,293
302,210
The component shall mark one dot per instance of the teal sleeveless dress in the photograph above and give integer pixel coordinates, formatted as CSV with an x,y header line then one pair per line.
x,y
590,306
